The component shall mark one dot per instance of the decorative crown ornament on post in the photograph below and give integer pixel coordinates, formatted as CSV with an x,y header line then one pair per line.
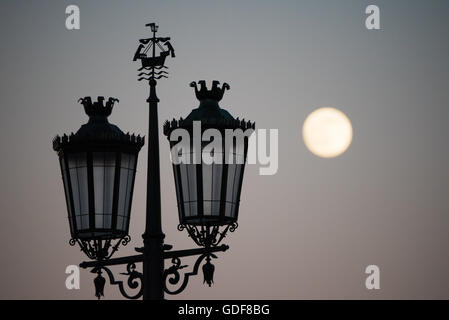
x,y
153,63
98,166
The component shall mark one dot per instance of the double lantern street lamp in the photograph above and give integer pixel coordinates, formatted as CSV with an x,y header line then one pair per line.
x,y
98,166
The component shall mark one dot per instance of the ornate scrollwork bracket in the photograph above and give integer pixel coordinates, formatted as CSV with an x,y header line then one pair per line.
x,y
208,236
173,276
135,281
99,249
174,281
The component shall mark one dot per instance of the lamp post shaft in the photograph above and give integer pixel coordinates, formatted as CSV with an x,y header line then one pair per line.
x,y
153,238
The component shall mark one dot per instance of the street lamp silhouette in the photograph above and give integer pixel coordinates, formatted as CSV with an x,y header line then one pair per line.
x,y
208,192
98,165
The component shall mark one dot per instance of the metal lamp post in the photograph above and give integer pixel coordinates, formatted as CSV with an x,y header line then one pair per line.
x,y
98,166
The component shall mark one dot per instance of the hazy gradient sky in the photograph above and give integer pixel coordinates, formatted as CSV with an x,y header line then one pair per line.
x,y
307,232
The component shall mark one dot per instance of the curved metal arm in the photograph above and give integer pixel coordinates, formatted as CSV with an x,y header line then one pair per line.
x,y
135,279
171,274
175,278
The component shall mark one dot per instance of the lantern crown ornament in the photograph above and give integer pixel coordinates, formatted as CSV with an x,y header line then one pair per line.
x,y
98,108
98,165
209,193
209,112
215,93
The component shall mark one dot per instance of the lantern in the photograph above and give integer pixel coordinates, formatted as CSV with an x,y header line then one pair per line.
x,y
208,179
98,166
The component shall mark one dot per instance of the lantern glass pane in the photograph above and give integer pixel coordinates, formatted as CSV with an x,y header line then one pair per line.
x,y
84,222
83,189
217,170
229,209
185,188
104,172
230,182
78,177
235,191
107,221
132,161
207,188
191,173
178,188
232,185
99,221
128,192
122,191
207,207
236,188
193,208
186,209
98,184
109,174
120,221
127,168
66,191
75,191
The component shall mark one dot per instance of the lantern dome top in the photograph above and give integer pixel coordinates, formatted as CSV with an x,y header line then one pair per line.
x,y
98,129
208,112
209,108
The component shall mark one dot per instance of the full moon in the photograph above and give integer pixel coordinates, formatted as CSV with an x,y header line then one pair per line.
x,y
327,132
